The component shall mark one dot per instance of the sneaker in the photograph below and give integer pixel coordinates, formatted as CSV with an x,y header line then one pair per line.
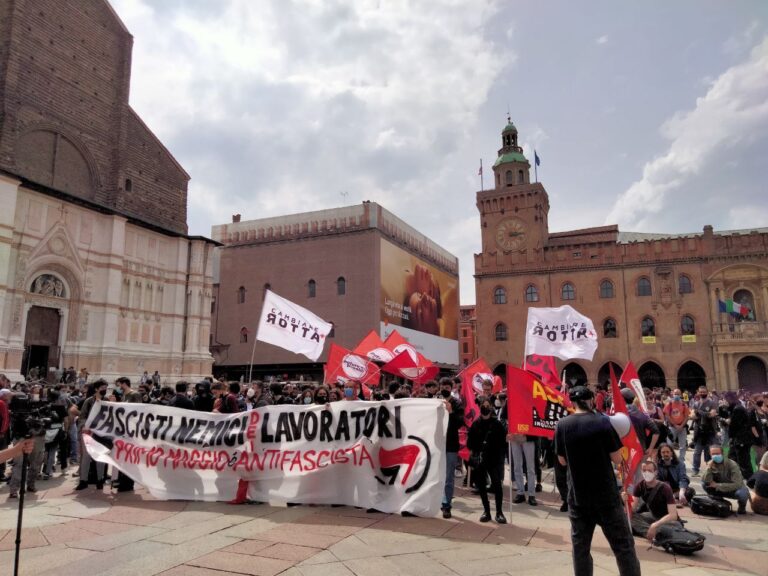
x,y
82,485
518,499
742,510
446,513
564,507
532,501
486,517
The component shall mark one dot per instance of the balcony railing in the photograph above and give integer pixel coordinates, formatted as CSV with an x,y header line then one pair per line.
x,y
740,331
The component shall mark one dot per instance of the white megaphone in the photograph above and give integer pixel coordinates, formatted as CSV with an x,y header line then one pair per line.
x,y
620,423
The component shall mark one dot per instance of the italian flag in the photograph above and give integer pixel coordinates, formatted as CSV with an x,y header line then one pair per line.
x,y
732,307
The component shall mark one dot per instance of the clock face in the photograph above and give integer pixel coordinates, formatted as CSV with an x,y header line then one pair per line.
x,y
510,234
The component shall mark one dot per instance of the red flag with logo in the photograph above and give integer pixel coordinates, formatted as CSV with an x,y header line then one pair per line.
x,y
544,368
631,380
344,365
373,348
476,373
532,407
471,410
411,365
632,453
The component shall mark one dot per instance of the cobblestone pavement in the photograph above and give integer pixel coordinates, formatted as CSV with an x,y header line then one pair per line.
x,y
89,532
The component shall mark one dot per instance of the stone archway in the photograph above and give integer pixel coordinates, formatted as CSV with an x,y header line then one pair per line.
x,y
751,374
604,374
575,375
501,371
652,376
691,376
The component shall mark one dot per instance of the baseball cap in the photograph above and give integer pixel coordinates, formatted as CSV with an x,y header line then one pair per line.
x,y
628,395
580,393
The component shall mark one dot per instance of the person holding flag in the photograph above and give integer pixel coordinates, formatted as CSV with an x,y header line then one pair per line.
x,y
587,443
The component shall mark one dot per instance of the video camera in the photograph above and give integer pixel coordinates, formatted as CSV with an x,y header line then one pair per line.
x,y
30,419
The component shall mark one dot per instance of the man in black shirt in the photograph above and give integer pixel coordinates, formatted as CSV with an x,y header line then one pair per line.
x,y
587,444
657,498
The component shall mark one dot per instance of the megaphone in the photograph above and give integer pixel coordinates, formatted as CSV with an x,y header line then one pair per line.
x,y
620,423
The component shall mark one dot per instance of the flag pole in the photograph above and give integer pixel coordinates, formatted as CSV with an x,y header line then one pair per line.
x,y
535,166
253,353
481,175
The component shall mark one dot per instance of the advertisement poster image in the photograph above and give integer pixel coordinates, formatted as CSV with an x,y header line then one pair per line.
x,y
421,302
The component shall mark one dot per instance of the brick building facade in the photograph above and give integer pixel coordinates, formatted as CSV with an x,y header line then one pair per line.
x,y
328,261
654,298
467,336
98,270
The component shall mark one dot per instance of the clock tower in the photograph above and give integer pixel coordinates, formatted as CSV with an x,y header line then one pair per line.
x,y
514,213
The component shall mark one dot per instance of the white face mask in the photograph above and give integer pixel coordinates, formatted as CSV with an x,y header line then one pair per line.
x,y
649,476
251,393
35,397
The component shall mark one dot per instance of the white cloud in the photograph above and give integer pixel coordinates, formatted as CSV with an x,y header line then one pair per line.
x,y
732,112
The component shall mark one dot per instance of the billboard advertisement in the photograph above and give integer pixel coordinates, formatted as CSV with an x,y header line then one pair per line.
x,y
421,302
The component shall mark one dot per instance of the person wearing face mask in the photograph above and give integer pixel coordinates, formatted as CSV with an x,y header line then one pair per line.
x,y
455,422
723,479
321,395
676,414
760,416
672,471
487,438
742,433
306,397
654,503
705,428
587,444
99,393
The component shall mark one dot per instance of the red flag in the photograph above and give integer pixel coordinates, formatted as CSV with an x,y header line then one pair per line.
x,y
544,368
476,373
416,368
532,407
471,410
632,381
344,365
373,348
633,450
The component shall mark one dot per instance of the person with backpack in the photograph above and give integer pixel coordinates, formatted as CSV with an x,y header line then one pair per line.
x,y
723,479
654,503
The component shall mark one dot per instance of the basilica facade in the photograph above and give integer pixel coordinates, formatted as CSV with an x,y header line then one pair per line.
x,y
663,301
97,270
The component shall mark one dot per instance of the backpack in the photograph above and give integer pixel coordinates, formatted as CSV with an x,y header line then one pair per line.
x,y
676,539
710,506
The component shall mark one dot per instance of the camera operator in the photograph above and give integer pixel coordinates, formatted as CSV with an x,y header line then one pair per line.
x,y
20,427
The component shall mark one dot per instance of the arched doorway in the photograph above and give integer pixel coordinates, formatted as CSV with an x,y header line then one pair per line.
x,y
690,376
501,372
574,375
652,376
604,374
751,374
41,342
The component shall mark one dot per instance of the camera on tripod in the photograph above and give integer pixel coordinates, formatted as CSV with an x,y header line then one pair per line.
x,y
30,419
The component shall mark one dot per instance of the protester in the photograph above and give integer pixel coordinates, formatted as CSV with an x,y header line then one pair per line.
x,y
259,399
646,428
705,428
676,414
487,439
758,485
455,422
672,471
321,395
654,504
523,447
203,399
588,445
742,433
99,393
723,478
180,399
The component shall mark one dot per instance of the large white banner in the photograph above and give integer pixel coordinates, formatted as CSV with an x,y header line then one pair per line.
x,y
292,327
383,455
561,332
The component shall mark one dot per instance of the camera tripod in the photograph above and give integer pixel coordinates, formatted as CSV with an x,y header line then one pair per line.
x,y
22,491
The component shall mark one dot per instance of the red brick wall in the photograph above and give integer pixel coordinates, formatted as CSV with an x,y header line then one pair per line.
x,y
67,72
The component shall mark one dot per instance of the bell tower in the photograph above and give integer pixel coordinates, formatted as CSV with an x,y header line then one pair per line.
x,y
514,214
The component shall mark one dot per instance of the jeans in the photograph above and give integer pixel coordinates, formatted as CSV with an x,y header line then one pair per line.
x,y
697,450
73,443
35,462
451,459
615,526
679,436
525,450
50,461
741,495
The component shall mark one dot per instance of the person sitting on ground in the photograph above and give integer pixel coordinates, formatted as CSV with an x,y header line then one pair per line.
x,y
672,471
654,503
723,479
758,484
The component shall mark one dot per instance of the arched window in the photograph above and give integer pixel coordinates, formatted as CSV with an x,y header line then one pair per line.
x,y
520,177
531,293
509,178
687,326
644,287
684,284
501,332
609,328
568,292
243,335
341,286
499,295
241,295
648,327
744,297
606,289
312,288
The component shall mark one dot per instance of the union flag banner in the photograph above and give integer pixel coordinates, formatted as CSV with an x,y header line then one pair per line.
x,y
373,348
631,379
344,365
476,373
411,365
532,407
632,453
544,368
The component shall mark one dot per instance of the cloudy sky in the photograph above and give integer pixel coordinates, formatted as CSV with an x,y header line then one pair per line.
x,y
652,114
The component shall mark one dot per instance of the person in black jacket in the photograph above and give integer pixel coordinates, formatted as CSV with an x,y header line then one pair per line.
x,y
672,471
203,400
742,434
181,400
488,438
455,421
